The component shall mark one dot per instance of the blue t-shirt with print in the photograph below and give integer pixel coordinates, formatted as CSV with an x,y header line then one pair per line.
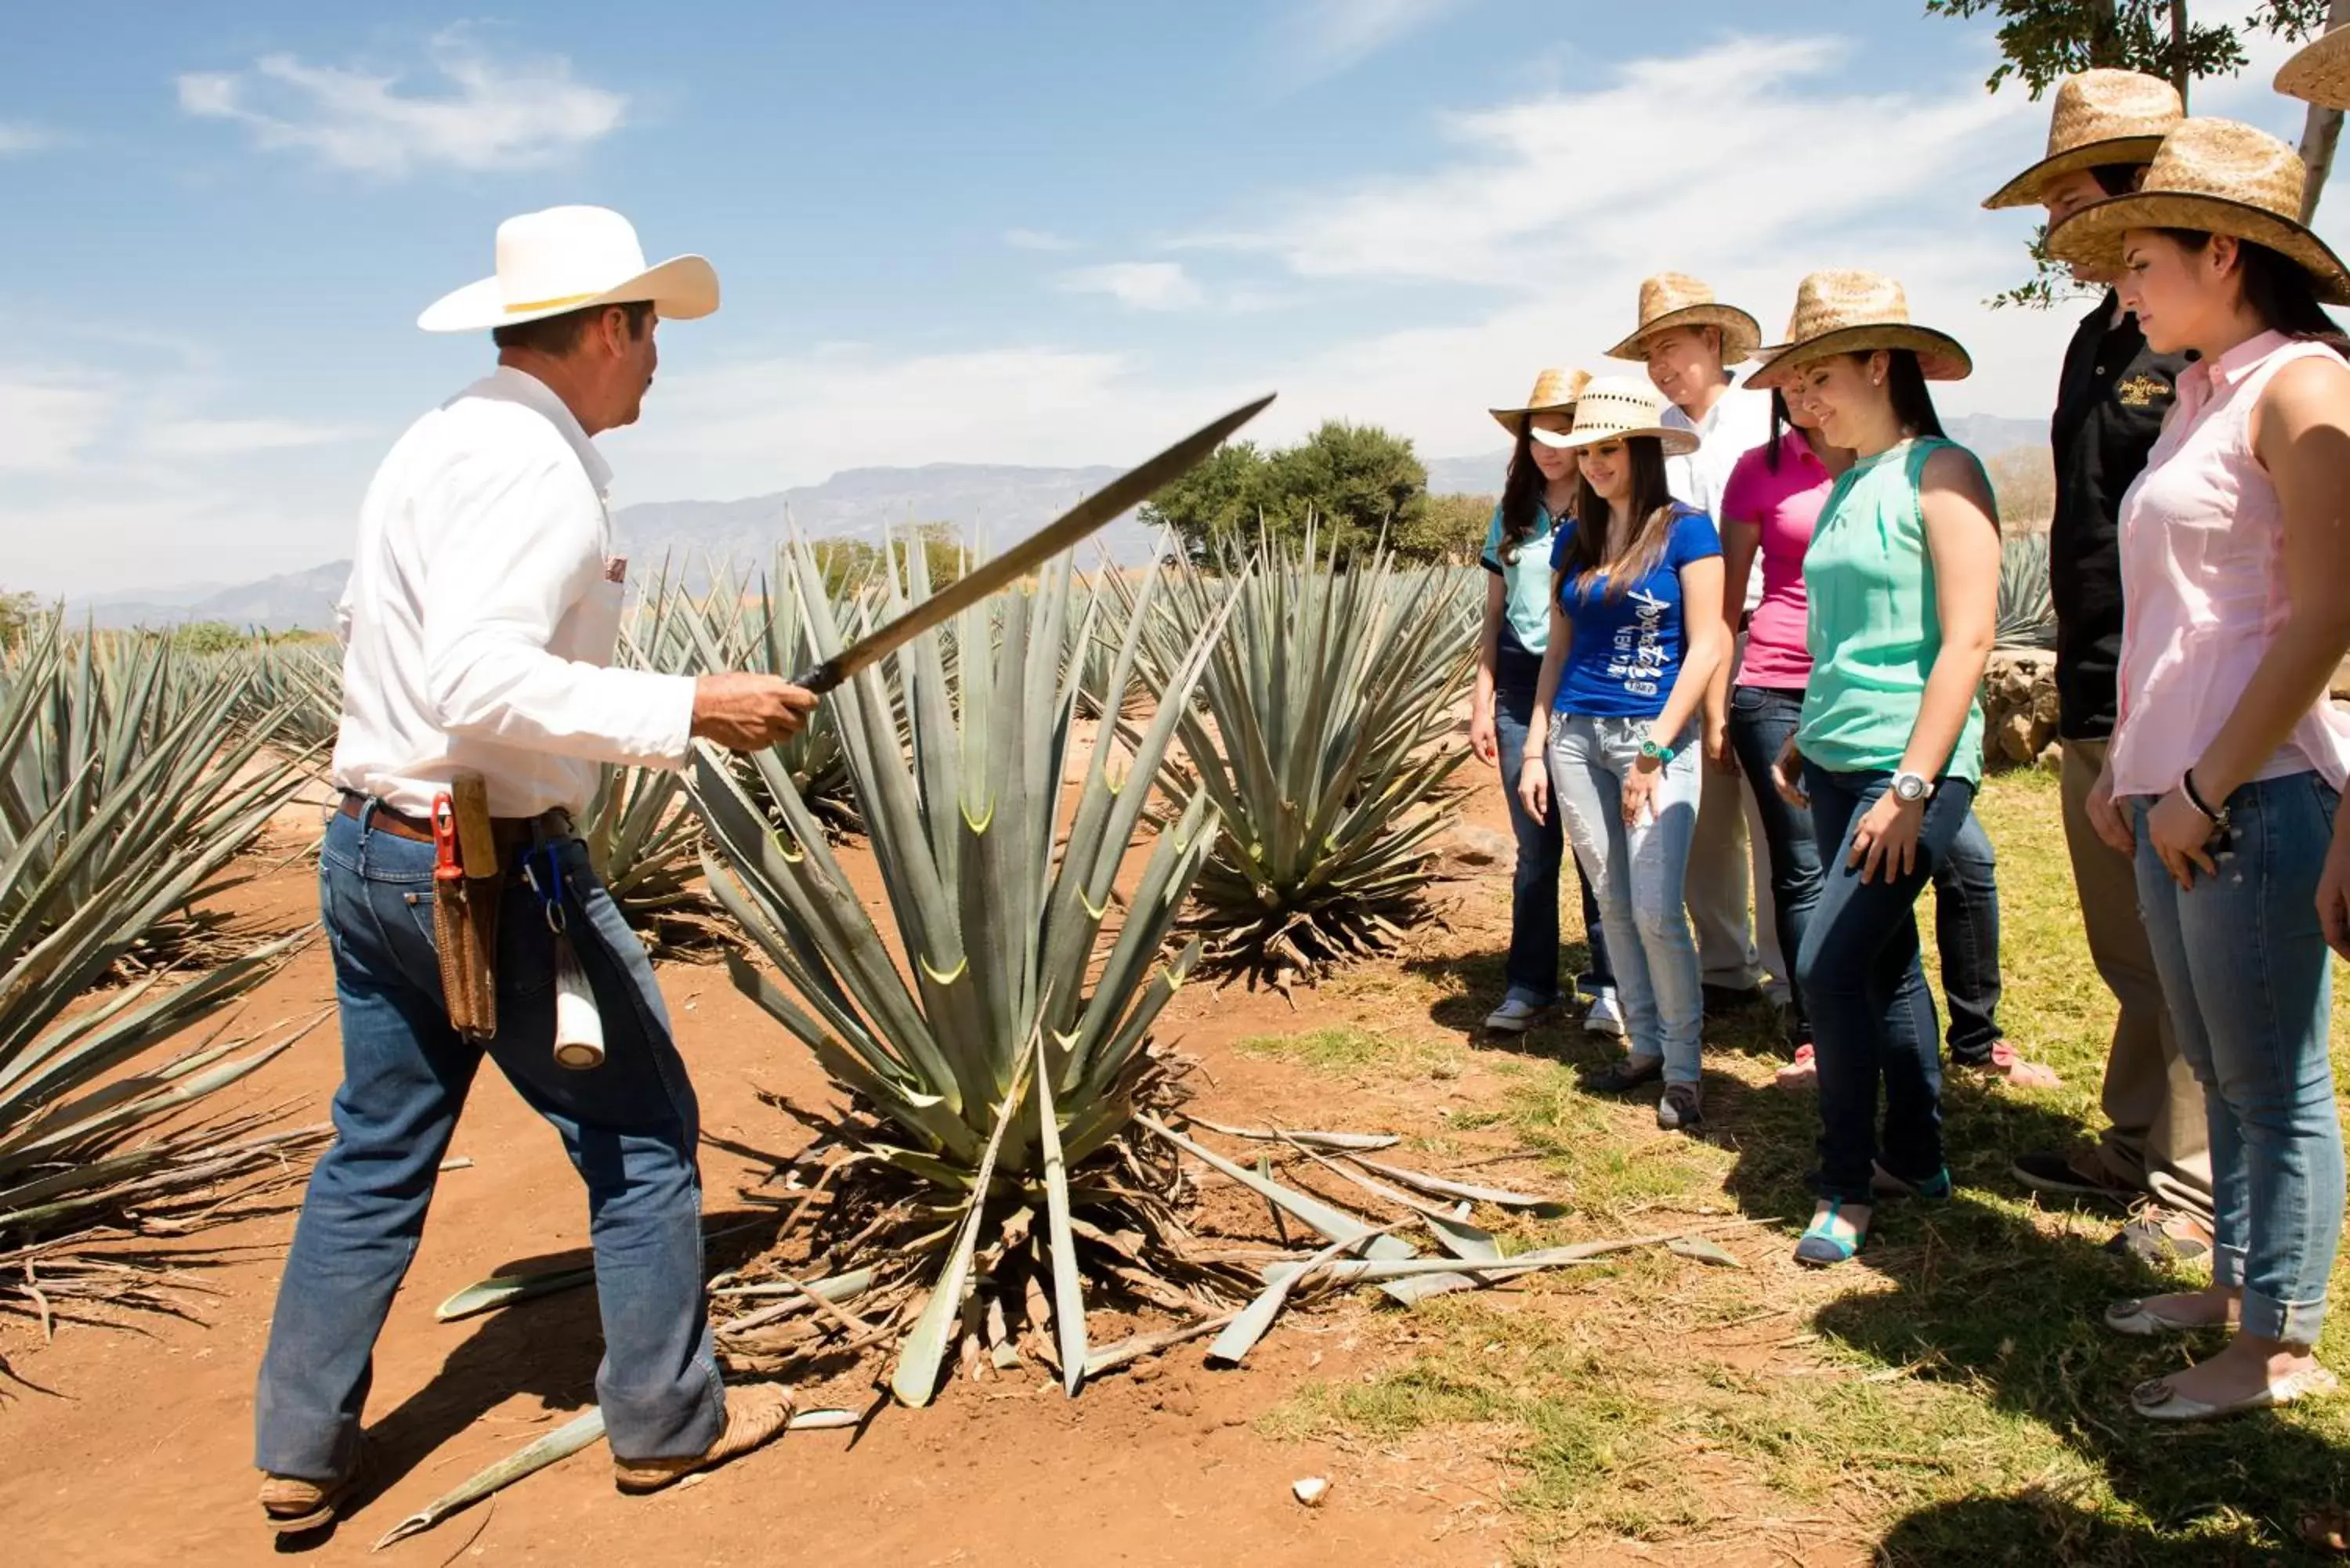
x,y
1626,650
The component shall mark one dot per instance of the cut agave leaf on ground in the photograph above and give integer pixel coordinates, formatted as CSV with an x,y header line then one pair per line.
x,y
1443,1187
1381,1269
1240,1335
1339,1140
1142,1345
557,1446
1703,1251
505,1289
1335,1223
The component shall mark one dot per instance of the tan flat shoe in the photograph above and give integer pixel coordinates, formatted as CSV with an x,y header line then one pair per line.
x,y
295,1504
2156,1400
757,1414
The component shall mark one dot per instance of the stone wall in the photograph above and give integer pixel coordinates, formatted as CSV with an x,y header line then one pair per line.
x,y
2019,700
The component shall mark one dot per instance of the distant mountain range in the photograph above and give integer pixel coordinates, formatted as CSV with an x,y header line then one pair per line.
x,y
986,502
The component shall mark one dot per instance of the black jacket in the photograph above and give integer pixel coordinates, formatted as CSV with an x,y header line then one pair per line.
x,y
2109,408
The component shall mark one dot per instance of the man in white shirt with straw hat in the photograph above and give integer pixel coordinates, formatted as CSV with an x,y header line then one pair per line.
x,y
483,603
1689,340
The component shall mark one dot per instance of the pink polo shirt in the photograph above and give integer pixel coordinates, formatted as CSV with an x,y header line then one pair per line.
x,y
1787,504
2203,590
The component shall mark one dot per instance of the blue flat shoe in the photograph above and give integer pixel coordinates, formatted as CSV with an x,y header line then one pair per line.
x,y
1825,1244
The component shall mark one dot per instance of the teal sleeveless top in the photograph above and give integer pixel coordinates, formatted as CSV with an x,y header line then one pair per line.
x,y
1875,629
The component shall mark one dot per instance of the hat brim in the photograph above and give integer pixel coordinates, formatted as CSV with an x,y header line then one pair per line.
x,y
1676,442
1508,418
2093,236
1940,357
2023,190
680,289
1741,335
2319,72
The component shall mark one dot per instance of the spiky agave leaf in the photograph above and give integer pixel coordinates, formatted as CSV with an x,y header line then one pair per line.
x,y
94,852
2027,609
1327,704
1002,929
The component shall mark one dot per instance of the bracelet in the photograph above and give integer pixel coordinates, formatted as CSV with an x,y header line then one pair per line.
x,y
2187,788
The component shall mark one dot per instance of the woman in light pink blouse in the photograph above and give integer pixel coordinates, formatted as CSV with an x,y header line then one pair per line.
x,y
2227,765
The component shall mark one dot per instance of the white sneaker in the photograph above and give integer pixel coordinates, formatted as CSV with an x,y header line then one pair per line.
x,y
1514,1016
1606,1016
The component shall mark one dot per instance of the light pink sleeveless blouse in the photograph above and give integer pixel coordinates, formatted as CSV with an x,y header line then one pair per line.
x,y
2203,589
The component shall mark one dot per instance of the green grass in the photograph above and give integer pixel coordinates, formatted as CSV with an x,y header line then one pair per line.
x,y
1956,1401
1354,1052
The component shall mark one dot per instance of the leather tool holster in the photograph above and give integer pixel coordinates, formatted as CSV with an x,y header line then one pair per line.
x,y
466,899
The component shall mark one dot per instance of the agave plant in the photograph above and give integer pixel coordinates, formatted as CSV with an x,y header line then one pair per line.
x,y
1000,1070
99,846
769,633
2027,610
103,708
1327,704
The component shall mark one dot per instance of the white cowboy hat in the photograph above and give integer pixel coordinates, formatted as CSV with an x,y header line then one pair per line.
x,y
567,258
1618,408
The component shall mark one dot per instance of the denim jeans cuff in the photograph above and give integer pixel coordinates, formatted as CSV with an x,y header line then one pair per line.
x,y
1861,1192
2295,1323
2228,1267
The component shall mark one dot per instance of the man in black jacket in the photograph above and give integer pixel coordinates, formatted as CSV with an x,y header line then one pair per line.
x,y
2155,1153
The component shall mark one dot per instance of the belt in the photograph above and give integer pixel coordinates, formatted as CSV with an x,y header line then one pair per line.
x,y
511,832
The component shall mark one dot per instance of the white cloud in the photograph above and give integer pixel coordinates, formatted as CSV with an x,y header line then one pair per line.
x,y
1553,185
494,115
199,438
15,140
1321,38
1037,239
47,420
1138,285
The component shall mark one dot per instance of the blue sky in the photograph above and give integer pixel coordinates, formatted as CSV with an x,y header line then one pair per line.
x,y
979,231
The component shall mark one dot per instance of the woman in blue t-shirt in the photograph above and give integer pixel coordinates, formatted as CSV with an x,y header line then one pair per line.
x,y
1541,486
1635,634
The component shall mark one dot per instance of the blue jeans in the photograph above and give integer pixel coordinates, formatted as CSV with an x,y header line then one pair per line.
x,y
1872,1016
2250,983
1966,884
1638,873
629,1127
1532,970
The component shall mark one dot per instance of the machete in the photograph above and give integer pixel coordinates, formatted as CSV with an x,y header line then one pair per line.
x,y
1125,492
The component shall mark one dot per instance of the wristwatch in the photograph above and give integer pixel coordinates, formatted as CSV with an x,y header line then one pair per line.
x,y
1910,788
1662,753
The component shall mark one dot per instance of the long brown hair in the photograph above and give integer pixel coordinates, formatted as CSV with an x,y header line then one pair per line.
x,y
1522,495
1652,503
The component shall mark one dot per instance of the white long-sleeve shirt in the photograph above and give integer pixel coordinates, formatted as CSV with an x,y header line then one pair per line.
x,y
482,611
1739,421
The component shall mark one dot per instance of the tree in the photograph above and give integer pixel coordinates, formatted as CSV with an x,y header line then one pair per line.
x,y
1452,529
1355,483
16,612
2044,41
2023,478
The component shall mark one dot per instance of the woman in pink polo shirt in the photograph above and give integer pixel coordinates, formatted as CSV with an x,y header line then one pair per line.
x,y
1770,503
2227,763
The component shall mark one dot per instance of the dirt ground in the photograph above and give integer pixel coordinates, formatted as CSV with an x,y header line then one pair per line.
x,y
134,1447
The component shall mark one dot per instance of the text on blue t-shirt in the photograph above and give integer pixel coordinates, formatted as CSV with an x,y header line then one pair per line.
x,y
1626,650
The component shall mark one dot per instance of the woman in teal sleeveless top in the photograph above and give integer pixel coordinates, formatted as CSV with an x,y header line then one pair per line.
x,y
1903,573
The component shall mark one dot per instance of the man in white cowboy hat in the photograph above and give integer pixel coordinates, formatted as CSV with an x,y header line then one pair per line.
x,y
1688,341
2154,1154
480,620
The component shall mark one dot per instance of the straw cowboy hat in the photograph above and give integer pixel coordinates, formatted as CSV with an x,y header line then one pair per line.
x,y
2320,71
1855,312
1673,299
1617,407
1554,393
567,258
2102,117
2218,177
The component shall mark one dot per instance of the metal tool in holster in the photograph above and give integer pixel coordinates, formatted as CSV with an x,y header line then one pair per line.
x,y
468,881
579,1027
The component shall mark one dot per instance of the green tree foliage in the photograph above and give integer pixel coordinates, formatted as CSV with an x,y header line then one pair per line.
x,y
16,612
2044,41
1452,529
1353,481
208,637
848,564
